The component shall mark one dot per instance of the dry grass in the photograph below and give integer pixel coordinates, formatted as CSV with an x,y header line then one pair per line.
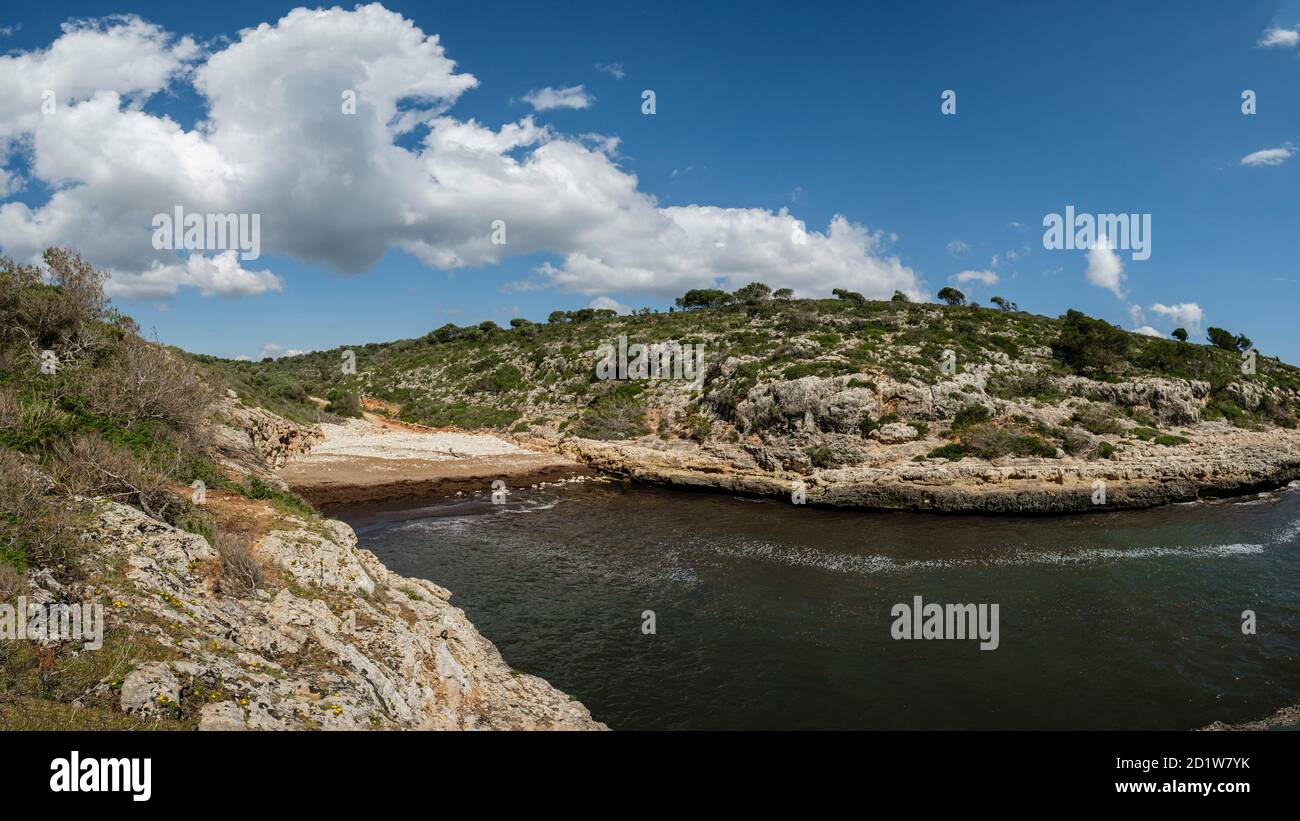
x,y
241,573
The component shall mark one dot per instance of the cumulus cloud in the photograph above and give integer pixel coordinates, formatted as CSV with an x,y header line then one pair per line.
x,y
1188,314
1268,156
614,70
1147,330
337,189
545,99
218,275
957,248
1279,38
1105,270
610,304
981,277
274,351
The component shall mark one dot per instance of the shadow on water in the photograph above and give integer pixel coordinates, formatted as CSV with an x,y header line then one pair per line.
x,y
772,615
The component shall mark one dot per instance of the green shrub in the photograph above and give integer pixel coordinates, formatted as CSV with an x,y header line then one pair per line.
x,y
1094,419
820,457
347,404
1090,346
970,415
613,416
698,427
952,450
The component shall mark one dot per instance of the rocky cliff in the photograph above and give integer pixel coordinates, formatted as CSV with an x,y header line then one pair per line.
x,y
901,464
333,640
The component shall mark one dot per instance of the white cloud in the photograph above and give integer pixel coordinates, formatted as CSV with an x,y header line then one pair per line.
x,y
1268,156
274,351
335,189
121,54
981,277
1188,314
1280,38
1147,330
1104,267
615,70
545,99
219,275
958,248
609,303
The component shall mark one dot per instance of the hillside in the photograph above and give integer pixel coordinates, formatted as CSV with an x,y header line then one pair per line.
x,y
849,395
137,487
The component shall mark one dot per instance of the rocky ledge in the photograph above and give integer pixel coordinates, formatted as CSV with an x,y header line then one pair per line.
x,y
1217,460
331,640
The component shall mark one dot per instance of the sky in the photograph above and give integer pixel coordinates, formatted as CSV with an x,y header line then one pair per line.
x,y
498,159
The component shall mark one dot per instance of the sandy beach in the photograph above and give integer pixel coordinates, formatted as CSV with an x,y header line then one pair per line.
x,y
376,460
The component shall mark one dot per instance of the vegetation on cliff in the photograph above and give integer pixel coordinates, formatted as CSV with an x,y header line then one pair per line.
x,y
542,377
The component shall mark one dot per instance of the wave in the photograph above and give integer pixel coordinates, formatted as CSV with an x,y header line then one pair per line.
x,y
874,563
1289,533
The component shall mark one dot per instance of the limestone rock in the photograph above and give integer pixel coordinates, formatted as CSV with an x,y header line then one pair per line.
x,y
151,689
351,646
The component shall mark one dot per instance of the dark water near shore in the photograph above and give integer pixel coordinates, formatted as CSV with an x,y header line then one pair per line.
x,y
776,616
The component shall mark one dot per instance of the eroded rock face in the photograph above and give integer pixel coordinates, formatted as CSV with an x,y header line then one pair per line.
x,y
895,433
274,439
1172,401
335,641
1217,460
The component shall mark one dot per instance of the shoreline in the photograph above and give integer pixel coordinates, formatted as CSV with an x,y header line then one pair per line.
x,y
372,464
375,463
1227,465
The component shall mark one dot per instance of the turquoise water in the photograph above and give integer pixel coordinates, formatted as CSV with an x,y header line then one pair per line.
x,y
769,615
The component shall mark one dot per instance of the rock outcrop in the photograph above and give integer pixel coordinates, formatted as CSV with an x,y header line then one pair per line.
x,y
1217,460
274,439
332,640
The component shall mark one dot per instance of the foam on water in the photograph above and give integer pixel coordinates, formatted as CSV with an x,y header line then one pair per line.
x,y
874,563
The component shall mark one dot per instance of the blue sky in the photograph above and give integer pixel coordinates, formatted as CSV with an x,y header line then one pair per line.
x,y
835,109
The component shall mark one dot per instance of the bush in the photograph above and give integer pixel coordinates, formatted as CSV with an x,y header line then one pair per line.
x,y
989,442
35,528
1021,385
820,457
1105,450
241,573
504,379
347,404
970,415
144,382
57,309
613,416
1094,419
1169,440
698,427
87,464
1090,346
952,450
